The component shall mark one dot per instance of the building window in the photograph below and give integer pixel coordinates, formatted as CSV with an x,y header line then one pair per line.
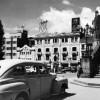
x,y
64,57
39,50
83,46
8,54
64,49
39,41
14,42
83,54
74,49
47,41
39,57
56,58
63,40
55,50
14,48
47,57
47,49
76,39
8,48
74,56
55,40
66,39
8,42
14,54
72,39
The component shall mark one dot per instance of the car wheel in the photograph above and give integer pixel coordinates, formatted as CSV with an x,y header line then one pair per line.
x,y
22,97
62,91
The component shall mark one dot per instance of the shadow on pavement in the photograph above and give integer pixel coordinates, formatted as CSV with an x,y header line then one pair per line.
x,y
60,97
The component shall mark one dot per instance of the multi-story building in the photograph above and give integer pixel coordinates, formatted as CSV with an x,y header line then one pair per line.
x,y
62,49
26,53
10,46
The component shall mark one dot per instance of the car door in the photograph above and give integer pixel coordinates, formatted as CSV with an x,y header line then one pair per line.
x,y
46,81
33,80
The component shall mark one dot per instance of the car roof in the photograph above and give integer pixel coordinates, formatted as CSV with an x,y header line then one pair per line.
x,y
8,63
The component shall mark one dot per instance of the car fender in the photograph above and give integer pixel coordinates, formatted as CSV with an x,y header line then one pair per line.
x,y
57,83
11,90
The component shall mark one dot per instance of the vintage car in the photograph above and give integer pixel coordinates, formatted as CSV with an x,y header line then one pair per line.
x,y
28,80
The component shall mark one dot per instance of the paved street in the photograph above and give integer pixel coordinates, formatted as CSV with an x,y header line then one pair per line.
x,y
76,92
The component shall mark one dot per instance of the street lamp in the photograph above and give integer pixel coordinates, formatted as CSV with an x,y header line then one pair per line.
x,y
69,59
86,36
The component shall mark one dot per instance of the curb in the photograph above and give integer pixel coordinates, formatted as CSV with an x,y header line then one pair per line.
x,y
84,83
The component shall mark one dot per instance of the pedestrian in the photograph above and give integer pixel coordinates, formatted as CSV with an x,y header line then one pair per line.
x,y
80,71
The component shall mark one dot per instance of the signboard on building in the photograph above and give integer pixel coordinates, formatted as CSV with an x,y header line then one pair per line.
x,y
75,25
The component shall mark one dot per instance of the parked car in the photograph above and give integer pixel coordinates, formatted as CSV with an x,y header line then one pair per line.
x,y
66,69
74,69
28,80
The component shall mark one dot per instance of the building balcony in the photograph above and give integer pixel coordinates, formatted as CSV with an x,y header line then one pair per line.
x,y
65,53
56,53
83,49
39,53
75,52
47,53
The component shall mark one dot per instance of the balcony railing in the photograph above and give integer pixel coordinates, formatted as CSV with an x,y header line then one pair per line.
x,y
39,53
48,53
65,53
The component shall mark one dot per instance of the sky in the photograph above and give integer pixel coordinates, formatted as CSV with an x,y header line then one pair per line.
x,y
14,13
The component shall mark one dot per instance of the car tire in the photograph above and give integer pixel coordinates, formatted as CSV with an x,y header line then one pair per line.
x,y
62,91
22,97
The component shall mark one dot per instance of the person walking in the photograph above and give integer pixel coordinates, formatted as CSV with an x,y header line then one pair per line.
x,y
79,71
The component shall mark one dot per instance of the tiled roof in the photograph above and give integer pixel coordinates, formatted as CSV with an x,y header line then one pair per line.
x,y
55,35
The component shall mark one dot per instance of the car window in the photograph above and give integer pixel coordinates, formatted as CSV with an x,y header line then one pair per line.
x,y
31,69
19,70
42,69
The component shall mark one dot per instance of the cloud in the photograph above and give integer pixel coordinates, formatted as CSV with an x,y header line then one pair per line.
x,y
60,21
66,2
10,29
86,16
31,25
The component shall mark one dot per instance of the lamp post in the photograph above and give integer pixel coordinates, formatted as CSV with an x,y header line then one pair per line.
x,y
69,59
86,36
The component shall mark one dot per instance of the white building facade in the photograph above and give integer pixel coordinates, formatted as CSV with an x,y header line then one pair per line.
x,y
62,50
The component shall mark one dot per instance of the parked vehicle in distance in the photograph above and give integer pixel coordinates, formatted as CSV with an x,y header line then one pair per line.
x,y
66,69
74,69
28,80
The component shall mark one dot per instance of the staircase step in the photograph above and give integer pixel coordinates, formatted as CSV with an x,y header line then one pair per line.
x,y
96,76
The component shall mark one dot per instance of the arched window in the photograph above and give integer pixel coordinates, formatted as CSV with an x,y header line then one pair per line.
x,y
55,50
64,49
39,50
47,49
74,49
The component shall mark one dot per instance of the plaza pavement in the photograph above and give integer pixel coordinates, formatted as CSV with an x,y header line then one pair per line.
x,y
86,82
78,92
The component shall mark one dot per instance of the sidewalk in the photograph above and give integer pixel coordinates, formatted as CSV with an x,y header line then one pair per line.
x,y
86,82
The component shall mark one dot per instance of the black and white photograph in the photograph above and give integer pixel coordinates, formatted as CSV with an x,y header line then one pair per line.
x,y
49,49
